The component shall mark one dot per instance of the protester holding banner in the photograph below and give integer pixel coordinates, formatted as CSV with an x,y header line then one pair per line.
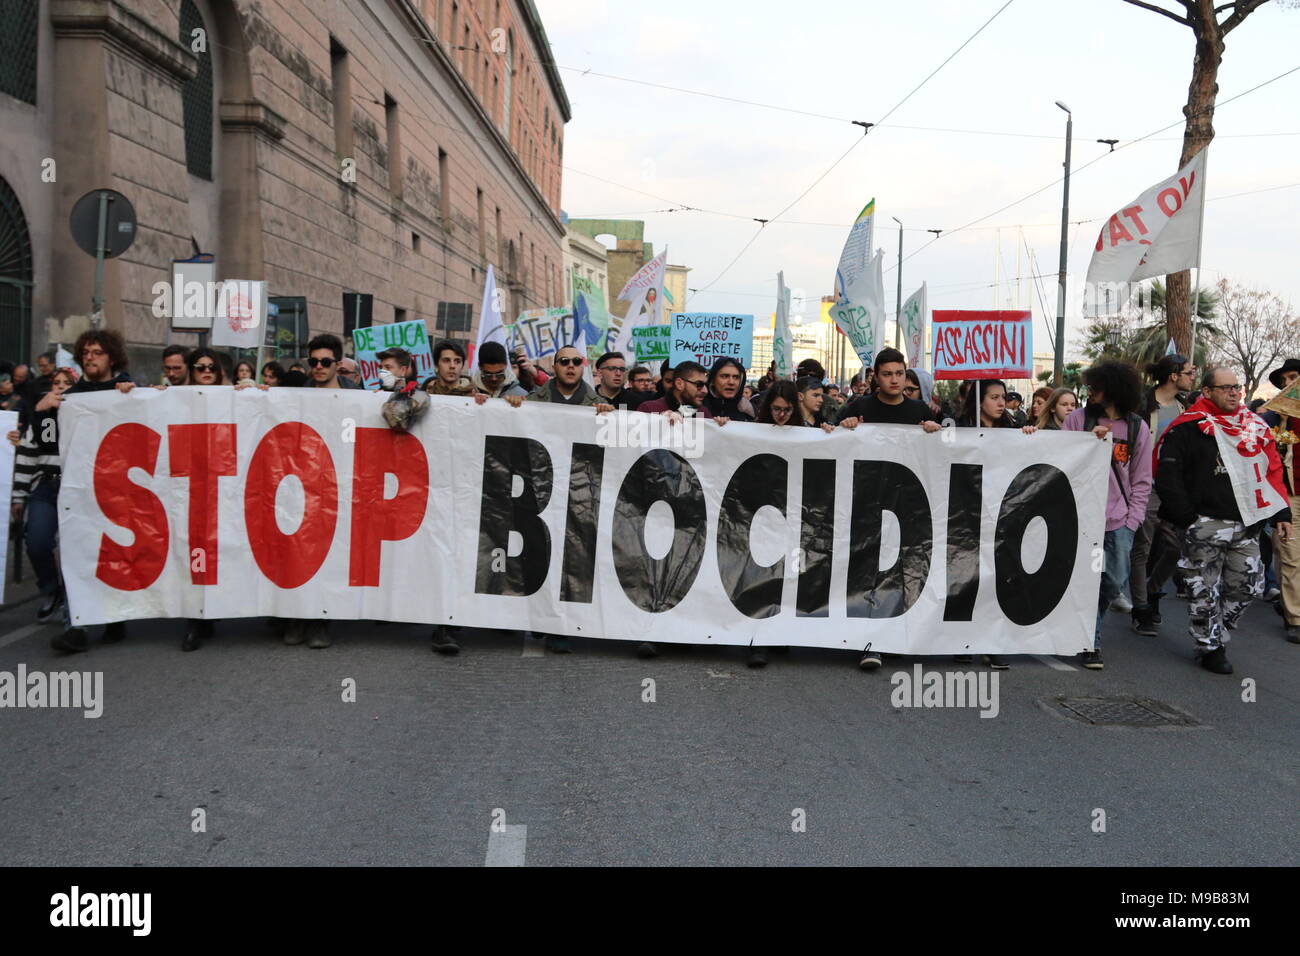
x,y
1057,408
811,397
1157,544
992,412
494,376
1220,478
1040,397
567,387
37,471
1286,427
779,404
102,356
689,384
723,397
272,374
324,353
1114,397
174,366
888,406
640,380
397,367
449,365
611,370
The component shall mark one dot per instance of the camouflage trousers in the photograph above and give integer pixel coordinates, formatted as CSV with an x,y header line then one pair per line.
x,y
1224,573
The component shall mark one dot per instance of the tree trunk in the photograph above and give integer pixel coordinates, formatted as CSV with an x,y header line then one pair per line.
x,y
1199,131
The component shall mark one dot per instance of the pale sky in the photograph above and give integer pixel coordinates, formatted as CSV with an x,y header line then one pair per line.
x,y
1122,70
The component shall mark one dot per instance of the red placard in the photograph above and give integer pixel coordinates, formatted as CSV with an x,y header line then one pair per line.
x,y
977,344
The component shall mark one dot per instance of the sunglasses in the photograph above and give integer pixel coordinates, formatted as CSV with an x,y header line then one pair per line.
x,y
205,368
322,362
500,374
568,361
700,384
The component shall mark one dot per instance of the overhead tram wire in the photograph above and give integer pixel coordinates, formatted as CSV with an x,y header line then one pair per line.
x,y
762,223
1097,159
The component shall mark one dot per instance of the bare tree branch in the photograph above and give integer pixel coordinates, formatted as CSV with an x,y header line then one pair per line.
x,y
1151,6
1258,330
1240,10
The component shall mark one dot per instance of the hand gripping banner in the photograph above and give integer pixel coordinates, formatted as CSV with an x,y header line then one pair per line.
x,y
300,503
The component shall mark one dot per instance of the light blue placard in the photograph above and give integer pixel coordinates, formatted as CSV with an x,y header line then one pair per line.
x,y
705,337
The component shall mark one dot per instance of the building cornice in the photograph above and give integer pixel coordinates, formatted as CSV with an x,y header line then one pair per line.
x,y
112,21
253,115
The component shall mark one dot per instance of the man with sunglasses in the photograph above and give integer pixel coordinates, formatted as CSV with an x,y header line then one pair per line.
x,y
690,386
566,387
494,376
324,353
1203,493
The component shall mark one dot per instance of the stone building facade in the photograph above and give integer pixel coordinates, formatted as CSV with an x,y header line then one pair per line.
x,y
387,147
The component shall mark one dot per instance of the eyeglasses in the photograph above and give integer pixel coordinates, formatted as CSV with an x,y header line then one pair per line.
x,y
911,388
1226,388
93,353
781,411
569,361
205,368
322,362
612,368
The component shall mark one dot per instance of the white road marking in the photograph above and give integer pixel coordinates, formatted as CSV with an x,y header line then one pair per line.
x,y
533,647
506,846
1055,663
26,631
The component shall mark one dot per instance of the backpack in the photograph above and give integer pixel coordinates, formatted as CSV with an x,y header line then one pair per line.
x,y
1092,418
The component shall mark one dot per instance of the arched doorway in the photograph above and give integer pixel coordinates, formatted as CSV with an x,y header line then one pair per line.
x,y
15,278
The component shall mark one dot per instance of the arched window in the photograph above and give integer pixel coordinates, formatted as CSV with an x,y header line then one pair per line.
x,y
196,95
18,50
15,277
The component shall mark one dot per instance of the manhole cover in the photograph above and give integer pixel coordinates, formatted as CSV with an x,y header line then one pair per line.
x,y
1120,712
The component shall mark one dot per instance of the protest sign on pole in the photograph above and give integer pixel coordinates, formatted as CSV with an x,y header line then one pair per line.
x,y
974,344
240,320
411,336
524,528
916,316
541,332
705,337
491,327
652,343
782,343
644,295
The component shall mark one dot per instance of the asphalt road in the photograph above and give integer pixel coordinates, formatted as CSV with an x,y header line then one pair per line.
x,y
573,766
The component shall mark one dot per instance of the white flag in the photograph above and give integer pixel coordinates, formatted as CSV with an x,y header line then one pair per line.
x,y
240,321
1156,234
782,344
644,292
859,311
491,327
915,318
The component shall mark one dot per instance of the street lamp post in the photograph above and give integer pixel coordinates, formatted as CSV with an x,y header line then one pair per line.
x,y
898,316
1059,368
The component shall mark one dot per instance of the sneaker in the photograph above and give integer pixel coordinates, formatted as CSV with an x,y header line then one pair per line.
x,y
558,644
1272,594
757,657
49,607
443,642
1144,622
646,650
870,661
295,632
1216,661
114,632
1121,604
1293,633
1091,660
997,662
962,658
318,634
71,641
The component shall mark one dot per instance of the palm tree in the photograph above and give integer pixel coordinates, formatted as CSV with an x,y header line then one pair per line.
x,y
1128,337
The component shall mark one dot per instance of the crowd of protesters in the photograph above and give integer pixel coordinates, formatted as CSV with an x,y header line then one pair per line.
x,y
1172,514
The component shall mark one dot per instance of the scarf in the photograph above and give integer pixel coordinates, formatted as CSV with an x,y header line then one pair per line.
x,y
1250,433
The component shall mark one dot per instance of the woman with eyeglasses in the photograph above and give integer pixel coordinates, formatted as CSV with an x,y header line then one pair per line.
x,y
779,404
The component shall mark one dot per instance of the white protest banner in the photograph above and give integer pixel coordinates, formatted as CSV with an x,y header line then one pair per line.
x,y
411,336
491,327
916,315
541,332
240,319
861,315
644,295
782,343
975,344
548,518
1154,235
705,337
8,423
